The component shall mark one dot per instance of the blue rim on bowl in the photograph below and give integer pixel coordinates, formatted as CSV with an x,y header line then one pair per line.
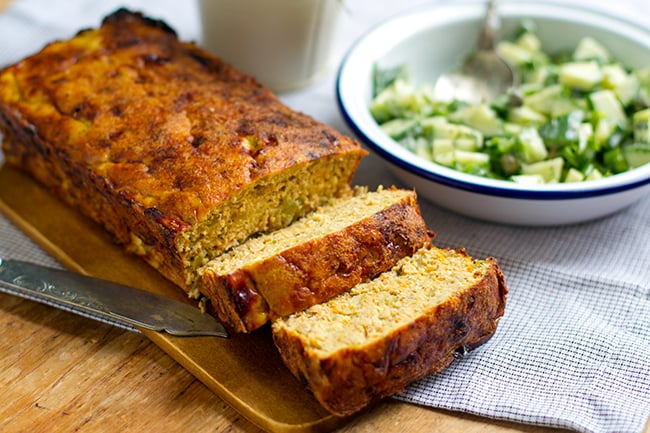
x,y
353,99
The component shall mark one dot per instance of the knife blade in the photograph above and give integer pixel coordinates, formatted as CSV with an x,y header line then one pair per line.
x,y
106,301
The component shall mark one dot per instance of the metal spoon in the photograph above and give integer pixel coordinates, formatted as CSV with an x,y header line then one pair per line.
x,y
484,74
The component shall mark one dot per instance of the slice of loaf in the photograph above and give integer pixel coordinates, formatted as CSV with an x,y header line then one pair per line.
x,y
179,155
375,339
319,256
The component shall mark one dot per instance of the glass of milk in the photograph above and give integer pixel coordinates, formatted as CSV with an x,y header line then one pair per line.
x,y
284,44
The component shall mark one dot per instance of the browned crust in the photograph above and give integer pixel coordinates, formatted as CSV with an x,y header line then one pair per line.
x,y
143,133
350,380
315,271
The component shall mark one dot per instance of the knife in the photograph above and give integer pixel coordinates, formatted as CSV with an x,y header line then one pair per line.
x,y
102,300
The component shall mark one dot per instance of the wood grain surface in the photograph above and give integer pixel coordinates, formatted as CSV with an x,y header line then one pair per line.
x,y
63,373
60,373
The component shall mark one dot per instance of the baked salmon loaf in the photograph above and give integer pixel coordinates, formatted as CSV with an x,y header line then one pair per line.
x,y
319,256
377,338
179,155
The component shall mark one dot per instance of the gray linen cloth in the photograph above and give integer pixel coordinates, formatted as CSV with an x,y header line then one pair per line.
x,y
573,349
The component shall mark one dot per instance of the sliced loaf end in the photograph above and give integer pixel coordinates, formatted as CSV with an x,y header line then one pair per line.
x,y
331,250
374,340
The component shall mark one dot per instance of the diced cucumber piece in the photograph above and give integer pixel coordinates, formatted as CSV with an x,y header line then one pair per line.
x,y
531,146
423,148
529,41
629,89
442,145
594,174
431,124
444,158
398,100
525,116
607,104
613,75
574,175
563,106
581,75
590,49
446,130
528,179
637,154
514,53
467,144
550,170
465,132
552,101
641,126
455,132
625,86
480,117
443,151
510,128
585,133
538,76
529,88
604,129
644,75
467,159
399,128
543,101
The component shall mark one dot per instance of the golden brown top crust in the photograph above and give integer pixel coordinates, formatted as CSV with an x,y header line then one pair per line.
x,y
156,117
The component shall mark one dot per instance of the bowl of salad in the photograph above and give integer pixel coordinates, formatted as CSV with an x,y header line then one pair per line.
x,y
570,142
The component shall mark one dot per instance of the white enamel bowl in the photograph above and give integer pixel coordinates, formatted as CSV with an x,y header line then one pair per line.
x,y
431,41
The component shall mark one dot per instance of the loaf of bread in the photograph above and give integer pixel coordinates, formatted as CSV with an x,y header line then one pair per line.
x,y
247,204
321,255
380,336
179,155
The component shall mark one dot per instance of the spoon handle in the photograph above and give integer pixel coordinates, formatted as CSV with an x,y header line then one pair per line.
x,y
491,25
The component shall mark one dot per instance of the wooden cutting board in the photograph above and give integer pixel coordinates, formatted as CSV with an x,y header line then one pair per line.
x,y
244,370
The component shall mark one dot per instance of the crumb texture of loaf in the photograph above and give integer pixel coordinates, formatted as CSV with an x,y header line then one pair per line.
x,y
323,254
176,153
374,340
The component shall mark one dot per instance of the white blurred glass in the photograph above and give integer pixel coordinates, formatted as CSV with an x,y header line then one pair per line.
x,y
285,44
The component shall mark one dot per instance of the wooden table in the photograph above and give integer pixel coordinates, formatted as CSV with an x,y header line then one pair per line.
x,y
61,372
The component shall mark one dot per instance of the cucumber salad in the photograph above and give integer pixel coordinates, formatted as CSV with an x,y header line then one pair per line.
x,y
573,116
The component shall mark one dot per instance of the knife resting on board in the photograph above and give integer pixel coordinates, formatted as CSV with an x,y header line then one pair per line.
x,y
106,301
